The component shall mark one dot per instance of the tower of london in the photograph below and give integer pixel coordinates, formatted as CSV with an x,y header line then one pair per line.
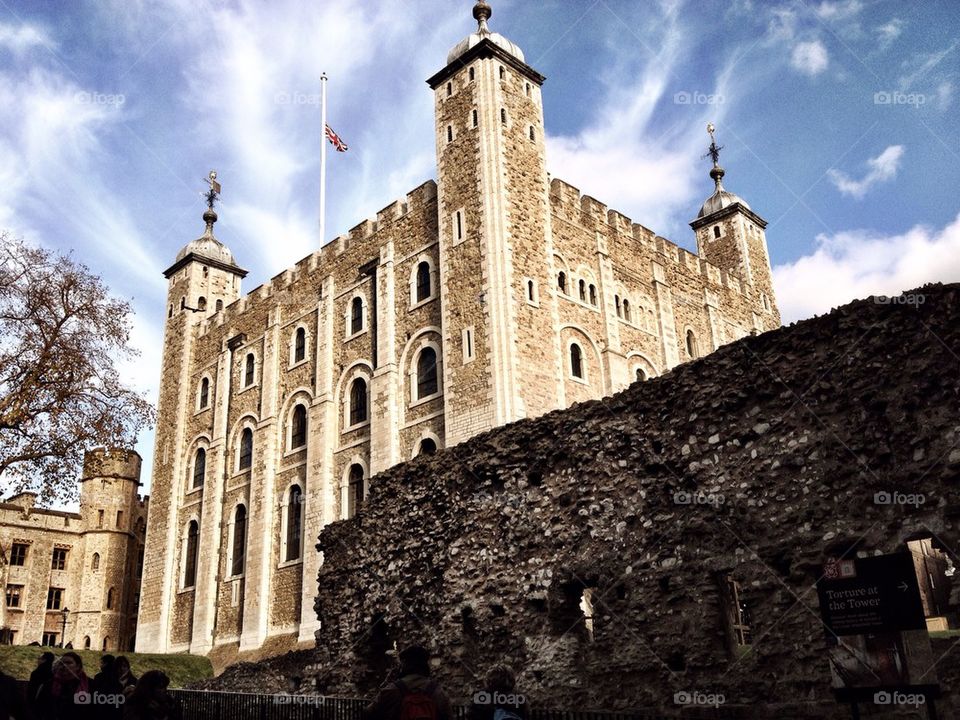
x,y
493,294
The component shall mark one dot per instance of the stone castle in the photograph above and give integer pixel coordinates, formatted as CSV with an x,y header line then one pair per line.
x,y
491,295
74,578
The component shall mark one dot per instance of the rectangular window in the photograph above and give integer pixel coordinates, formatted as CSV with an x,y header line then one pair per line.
x,y
99,518
459,229
468,349
14,595
59,559
119,518
54,598
49,639
739,615
18,554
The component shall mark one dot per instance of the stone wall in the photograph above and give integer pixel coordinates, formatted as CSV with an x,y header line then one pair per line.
x,y
755,464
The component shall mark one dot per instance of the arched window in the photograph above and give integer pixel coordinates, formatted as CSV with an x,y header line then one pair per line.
x,y
356,315
190,561
593,294
201,303
239,540
294,501
298,427
716,231
423,281
355,489
428,446
245,459
219,305
199,467
503,116
691,344
583,291
626,310
576,361
170,312
449,89
531,291
471,73
358,401
475,118
86,642
204,393
183,303
641,375
562,282
427,373
110,599
95,562
616,302
249,366
300,345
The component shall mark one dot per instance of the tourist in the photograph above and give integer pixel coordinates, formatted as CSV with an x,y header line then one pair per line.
x,y
150,699
59,696
104,678
499,699
11,702
41,674
125,679
414,694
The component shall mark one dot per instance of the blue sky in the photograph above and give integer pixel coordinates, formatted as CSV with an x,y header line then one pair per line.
x,y
835,117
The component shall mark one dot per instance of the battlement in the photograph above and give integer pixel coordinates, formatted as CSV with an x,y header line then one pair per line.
x,y
416,200
111,462
591,213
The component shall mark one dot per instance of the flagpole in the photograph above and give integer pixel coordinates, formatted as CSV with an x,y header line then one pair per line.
x,y
323,159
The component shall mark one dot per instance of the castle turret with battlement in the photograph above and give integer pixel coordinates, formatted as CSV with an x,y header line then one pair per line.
x,y
491,295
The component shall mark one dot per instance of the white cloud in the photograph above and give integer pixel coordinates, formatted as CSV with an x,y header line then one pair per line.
x,y
944,95
923,66
22,37
858,263
810,58
889,31
881,168
838,10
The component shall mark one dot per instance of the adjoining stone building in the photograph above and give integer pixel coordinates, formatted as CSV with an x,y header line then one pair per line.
x,y
491,295
74,578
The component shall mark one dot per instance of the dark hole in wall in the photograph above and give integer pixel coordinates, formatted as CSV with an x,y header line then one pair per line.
x,y
379,644
468,622
535,478
782,563
657,446
664,583
676,661
621,592
537,604
498,610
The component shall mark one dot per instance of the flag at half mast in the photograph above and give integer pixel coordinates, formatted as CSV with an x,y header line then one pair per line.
x,y
336,140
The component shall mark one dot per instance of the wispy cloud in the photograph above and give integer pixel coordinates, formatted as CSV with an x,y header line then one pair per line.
x,y
881,168
841,10
889,32
810,58
22,37
860,263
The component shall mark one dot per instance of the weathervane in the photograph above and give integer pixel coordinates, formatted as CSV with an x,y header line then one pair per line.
x,y
714,150
213,194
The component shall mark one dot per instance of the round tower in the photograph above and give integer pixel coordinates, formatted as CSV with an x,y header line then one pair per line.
x,y
113,519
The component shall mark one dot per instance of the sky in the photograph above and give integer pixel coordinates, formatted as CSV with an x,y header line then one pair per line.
x,y
834,117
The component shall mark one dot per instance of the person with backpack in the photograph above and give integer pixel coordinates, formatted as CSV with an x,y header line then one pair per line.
x,y
414,695
499,699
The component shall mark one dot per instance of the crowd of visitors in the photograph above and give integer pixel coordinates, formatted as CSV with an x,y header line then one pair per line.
x,y
60,689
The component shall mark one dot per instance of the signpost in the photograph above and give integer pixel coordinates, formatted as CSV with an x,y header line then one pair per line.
x,y
877,632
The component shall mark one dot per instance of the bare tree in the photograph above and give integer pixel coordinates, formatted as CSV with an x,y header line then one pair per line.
x,y
61,335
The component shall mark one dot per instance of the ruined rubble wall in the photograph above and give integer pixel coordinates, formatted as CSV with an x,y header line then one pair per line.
x,y
482,551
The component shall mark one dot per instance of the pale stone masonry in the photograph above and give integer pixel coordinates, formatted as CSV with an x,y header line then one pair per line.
x,y
491,295
88,562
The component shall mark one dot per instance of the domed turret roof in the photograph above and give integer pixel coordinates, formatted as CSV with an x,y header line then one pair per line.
x,y
207,246
482,12
719,200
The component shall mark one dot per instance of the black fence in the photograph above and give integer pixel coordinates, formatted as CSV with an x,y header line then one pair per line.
x,y
202,705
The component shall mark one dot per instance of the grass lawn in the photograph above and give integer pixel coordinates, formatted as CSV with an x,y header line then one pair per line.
x,y
941,634
20,660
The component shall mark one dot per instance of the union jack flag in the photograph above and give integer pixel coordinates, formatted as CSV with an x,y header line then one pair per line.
x,y
336,140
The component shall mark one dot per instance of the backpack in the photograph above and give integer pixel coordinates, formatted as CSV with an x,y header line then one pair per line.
x,y
417,704
504,714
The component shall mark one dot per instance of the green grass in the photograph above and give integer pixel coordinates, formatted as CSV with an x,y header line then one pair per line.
x,y
942,634
20,660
